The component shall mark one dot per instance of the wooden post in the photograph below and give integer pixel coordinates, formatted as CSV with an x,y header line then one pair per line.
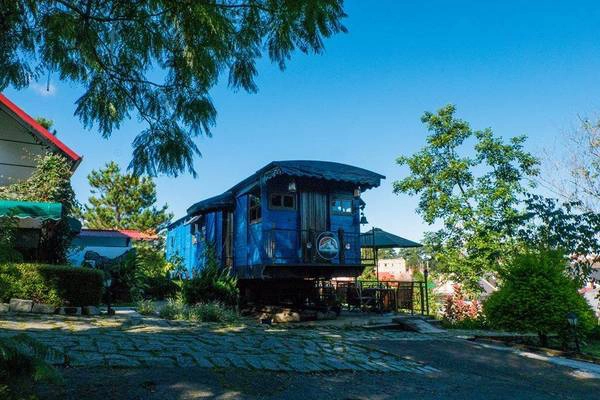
x,y
342,246
426,275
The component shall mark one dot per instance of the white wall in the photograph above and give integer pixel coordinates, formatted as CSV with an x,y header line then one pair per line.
x,y
17,146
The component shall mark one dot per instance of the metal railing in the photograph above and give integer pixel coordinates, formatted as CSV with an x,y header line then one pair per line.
x,y
396,296
287,246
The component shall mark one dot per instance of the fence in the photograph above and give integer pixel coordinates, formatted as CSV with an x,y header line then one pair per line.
x,y
397,296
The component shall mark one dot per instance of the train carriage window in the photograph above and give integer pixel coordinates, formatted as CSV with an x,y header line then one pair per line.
x,y
341,206
254,211
282,201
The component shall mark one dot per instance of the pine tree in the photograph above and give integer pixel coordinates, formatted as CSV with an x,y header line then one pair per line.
x,y
123,201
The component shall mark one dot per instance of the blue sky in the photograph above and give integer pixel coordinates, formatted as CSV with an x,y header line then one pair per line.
x,y
516,66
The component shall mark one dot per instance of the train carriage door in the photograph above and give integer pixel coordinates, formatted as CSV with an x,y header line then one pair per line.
x,y
313,220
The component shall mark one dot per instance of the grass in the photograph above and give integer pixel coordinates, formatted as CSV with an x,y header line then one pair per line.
x,y
592,348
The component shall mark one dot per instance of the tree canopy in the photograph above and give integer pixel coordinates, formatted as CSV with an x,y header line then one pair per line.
x,y
123,201
156,59
472,182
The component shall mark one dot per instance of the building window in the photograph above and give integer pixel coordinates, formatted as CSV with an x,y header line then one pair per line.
x,y
254,212
341,206
282,201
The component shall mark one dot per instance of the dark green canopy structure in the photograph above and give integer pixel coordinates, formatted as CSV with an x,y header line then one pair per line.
x,y
30,209
379,239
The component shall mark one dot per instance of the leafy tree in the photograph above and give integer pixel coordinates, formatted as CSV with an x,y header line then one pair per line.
x,y
536,296
473,192
123,201
46,123
156,59
548,224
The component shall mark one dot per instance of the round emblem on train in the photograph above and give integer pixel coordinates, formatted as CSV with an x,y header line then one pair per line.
x,y
327,245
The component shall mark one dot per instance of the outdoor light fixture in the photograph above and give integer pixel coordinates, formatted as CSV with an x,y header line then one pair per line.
x,y
308,245
292,187
573,321
363,219
357,192
107,284
347,246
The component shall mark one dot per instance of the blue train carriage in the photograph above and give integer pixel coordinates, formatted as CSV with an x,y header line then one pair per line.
x,y
291,220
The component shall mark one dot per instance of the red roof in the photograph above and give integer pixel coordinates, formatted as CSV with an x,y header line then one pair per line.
x,y
41,132
130,233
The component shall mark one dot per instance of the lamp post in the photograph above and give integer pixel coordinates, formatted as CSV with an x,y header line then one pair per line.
x,y
426,258
107,284
573,321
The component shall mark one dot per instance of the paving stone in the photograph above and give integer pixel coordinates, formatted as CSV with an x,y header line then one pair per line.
x,y
202,360
116,360
39,308
112,342
185,361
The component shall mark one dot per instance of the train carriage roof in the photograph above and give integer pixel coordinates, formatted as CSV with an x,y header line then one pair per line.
x,y
325,170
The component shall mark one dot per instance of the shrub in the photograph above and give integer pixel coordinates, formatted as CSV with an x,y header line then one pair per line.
x,y
174,309
51,284
212,312
143,272
457,308
160,287
536,295
201,312
146,307
212,283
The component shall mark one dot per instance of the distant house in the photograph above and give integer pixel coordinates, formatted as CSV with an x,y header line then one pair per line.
x,y
106,243
21,139
394,269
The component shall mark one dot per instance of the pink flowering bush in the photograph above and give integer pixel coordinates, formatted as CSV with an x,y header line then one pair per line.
x,y
460,312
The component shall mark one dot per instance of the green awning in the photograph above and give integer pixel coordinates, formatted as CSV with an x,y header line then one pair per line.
x,y
30,209
379,239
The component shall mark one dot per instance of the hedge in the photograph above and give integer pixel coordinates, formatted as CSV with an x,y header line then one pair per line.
x,y
51,284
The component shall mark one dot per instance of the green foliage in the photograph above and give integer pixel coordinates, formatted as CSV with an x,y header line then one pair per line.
x,y
564,227
461,312
200,312
212,312
536,295
174,309
212,283
473,191
49,182
123,201
50,284
22,357
46,123
143,272
146,307
7,240
157,60
368,274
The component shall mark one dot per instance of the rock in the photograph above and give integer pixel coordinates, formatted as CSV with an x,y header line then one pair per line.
x,y
43,308
91,310
69,310
4,307
19,305
286,316
326,315
308,315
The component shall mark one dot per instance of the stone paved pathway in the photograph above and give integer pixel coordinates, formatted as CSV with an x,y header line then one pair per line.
x,y
152,342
